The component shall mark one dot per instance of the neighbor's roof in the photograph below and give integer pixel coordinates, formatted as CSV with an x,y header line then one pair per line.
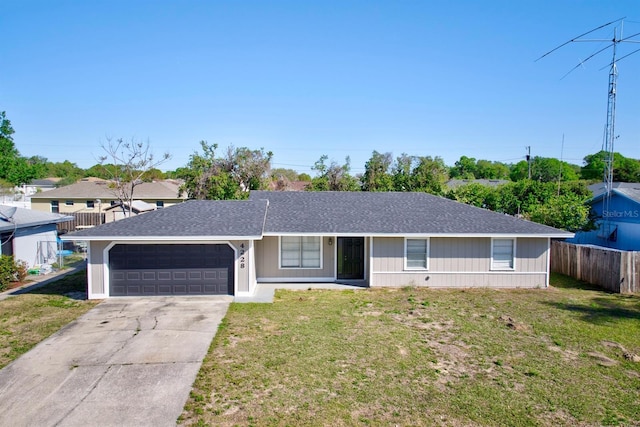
x,y
89,190
630,190
380,213
136,205
12,218
193,220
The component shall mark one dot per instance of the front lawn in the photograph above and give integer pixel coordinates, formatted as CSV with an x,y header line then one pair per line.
x,y
413,356
29,318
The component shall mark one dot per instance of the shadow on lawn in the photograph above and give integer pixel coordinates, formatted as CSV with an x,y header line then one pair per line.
x,y
73,286
601,310
566,282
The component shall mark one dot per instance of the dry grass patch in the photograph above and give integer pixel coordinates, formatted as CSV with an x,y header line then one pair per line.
x,y
29,318
424,357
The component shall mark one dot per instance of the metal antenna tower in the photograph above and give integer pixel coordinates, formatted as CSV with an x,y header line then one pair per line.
x,y
609,134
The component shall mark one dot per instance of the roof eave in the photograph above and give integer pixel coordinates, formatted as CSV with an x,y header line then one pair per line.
x,y
71,237
566,235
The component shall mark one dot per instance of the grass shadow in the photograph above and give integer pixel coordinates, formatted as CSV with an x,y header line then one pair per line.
x,y
602,310
73,286
558,280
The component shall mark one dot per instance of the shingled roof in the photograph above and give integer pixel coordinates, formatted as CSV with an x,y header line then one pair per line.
x,y
194,220
391,213
12,218
319,213
166,189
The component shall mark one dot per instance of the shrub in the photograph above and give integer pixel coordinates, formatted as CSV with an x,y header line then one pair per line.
x,y
11,271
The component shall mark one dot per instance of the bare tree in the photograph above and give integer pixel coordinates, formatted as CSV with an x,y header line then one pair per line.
x,y
126,162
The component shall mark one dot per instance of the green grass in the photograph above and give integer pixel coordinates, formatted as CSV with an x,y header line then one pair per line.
x,y
29,318
415,356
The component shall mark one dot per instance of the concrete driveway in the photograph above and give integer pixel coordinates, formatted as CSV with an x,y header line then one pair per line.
x,y
126,362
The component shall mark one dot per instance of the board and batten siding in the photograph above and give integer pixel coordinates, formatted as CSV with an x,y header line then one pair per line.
x,y
459,262
268,263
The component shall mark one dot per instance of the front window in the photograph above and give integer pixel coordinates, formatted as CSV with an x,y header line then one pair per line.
x,y
416,254
69,202
90,204
503,254
159,204
55,208
300,252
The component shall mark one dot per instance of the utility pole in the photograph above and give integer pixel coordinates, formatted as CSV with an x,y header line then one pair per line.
x,y
528,157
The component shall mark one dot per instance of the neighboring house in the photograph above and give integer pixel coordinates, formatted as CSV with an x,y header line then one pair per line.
x,y
367,238
618,226
93,196
41,185
28,235
120,210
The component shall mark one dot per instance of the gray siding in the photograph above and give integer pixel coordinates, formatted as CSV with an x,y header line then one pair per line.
x,y
267,264
459,262
461,280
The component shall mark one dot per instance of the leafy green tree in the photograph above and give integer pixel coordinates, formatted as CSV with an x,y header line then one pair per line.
x,y
289,174
304,177
207,176
566,211
402,173
625,169
333,177
213,177
475,194
69,171
376,173
249,167
465,168
544,169
14,168
486,169
429,175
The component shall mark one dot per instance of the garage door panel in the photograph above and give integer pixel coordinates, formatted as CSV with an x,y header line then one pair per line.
x,y
171,269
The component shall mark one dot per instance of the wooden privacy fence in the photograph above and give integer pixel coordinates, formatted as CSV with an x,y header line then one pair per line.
x,y
81,220
612,269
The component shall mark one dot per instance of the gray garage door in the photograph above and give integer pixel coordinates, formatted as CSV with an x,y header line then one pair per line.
x,y
171,270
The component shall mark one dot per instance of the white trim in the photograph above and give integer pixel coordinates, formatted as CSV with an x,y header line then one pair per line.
x,y
320,266
157,239
546,285
370,271
428,255
252,270
295,279
432,235
514,245
491,272
90,269
105,260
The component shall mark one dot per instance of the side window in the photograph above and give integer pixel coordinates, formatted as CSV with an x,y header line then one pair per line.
x,y
416,254
503,254
55,207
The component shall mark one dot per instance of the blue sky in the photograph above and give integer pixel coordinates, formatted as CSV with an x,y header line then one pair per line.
x,y
303,78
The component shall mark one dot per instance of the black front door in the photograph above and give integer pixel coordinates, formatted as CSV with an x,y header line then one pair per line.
x,y
351,258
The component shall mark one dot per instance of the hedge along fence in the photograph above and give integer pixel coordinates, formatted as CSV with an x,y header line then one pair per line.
x,y
612,269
